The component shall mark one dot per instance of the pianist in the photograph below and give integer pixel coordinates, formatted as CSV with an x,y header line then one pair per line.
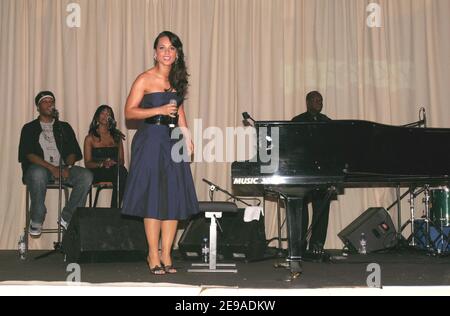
x,y
314,106
321,205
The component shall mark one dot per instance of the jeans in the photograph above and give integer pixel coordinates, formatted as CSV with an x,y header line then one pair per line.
x,y
37,178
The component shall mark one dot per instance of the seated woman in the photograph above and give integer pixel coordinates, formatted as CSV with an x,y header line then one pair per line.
x,y
103,150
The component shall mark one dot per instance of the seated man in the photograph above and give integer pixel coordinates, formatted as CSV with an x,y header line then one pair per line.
x,y
44,143
318,198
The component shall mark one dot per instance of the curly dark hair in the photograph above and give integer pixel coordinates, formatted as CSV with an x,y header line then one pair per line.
x,y
178,76
93,128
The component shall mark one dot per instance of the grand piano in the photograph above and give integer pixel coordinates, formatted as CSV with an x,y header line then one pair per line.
x,y
296,158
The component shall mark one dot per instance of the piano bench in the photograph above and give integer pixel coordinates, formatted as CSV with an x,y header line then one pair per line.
x,y
214,210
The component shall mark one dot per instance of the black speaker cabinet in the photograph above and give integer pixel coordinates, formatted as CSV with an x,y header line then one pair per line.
x,y
104,235
378,227
238,241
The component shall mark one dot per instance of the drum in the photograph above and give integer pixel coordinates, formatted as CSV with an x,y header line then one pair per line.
x,y
440,206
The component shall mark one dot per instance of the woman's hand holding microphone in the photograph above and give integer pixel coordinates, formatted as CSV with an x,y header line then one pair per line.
x,y
170,109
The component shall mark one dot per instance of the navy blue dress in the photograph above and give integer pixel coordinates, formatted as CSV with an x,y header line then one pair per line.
x,y
157,187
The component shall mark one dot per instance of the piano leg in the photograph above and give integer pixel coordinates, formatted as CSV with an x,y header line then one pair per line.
x,y
296,244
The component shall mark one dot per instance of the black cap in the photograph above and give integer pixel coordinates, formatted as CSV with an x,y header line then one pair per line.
x,y
42,95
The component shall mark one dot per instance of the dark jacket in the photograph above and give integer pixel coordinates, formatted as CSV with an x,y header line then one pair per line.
x,y
308,117
29,142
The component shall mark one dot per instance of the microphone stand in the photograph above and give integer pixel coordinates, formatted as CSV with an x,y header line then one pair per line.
x,y
113,125
422,122
213,188
118,177
416,124
58,136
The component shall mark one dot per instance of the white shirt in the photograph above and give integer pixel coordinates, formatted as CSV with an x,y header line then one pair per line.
x,y
48,144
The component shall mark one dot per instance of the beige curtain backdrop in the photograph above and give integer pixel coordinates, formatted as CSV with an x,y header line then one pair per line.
x,y
260,56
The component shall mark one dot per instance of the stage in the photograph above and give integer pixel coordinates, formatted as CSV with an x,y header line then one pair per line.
x,y
410,270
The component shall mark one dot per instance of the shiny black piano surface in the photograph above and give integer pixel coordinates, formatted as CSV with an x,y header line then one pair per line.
x,y
348,154
339,154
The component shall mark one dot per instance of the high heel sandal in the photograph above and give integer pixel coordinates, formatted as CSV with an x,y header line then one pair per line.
x,y
170,269
156,270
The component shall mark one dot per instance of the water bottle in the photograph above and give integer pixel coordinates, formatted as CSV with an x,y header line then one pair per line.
x,y
205,250
363,244
22,248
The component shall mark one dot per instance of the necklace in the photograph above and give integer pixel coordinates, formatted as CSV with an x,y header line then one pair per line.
x,y
47,131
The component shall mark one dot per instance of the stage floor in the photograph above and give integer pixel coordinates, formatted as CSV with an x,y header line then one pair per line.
x,y
401,268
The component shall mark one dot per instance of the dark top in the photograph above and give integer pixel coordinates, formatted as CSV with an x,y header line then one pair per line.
x,y
104,174
307,117
29,142
102,153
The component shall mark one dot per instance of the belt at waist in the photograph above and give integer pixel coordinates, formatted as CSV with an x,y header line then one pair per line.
x,y
161,120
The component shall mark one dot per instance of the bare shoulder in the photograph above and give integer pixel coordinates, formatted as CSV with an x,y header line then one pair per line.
x,y
91,140
147,76
145,81
140,80
88,139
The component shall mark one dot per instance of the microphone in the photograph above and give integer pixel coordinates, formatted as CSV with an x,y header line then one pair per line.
x,y
174,102
247,117
54,112
173,120
424,117
111,122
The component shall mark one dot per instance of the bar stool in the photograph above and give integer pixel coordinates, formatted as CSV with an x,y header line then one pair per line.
x,y
99,186
59,230
214,210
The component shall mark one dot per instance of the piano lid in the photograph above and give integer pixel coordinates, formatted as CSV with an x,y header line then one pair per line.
x,y
354,151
